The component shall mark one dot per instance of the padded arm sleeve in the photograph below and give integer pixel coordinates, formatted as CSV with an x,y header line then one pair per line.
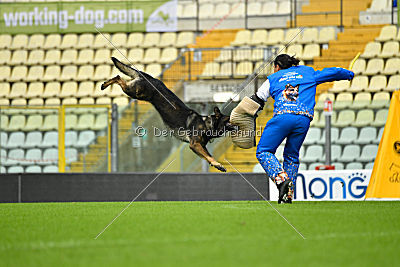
x,y
332,74
263,91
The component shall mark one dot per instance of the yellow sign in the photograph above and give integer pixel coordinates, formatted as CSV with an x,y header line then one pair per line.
x,y
385,177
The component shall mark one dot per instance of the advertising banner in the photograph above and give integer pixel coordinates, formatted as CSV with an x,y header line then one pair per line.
x,y
69,17
210,91
337,185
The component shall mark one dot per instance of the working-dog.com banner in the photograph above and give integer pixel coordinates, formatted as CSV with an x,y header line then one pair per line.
x,y
68,17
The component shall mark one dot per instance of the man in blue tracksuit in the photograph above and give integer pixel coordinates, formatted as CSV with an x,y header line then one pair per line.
x,y
293,88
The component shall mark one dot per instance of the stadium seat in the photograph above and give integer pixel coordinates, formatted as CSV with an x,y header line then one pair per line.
x,y
359,66
151,39
16,123
238,10
34,122
268,8
151,55
52,41
345,118
18,73
15,140
310,35
242,37
368,153
336,152
101,73
85,56
321,100
295,50
347,136
14,156
71,137
372,49
135,39
206,10
85,89
4,102
3,137
257,54
19,57
52,57
5,41
68,89
50,169
392,66
52,102
51,89
354,166
3,122
313,153
387,33
259,37
100,122
326,34
69,56
52,73
50,156
350,153
85,101
15,169
189,10
374,66
35,73
293,36
35,57
393,84
4,90
361,100
367,136
19,41
85,121
5,57
102,41
226,70
364,118
85,138
377,83
242,54
85,73
369,166
210,70
226,54
32,140
358,84
380,118
343,101
69,101
50,139
154,69
69,41
35,102
334,136
380,100
119,39
85,41
71,120
313,136
321,122
184,39
168,55
50,123
71,155
275,36
33,169
243,69
32,156
121,101
18,90
102,56
310,51
167,39
390,49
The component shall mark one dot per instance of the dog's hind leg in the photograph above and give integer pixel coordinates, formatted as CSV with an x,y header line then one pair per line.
x,y
200,150
117,79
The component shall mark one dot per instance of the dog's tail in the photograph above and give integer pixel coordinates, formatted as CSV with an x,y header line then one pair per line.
x,y
125,69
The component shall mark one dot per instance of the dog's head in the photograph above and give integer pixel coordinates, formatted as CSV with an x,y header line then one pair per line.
x,y
219,122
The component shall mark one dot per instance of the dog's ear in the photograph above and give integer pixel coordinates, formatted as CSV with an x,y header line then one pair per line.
x,y
217,112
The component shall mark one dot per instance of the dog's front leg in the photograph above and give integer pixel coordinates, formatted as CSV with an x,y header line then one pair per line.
x,y
202,151
117,79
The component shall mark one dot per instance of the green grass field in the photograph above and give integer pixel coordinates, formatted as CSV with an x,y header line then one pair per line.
x,y
239,233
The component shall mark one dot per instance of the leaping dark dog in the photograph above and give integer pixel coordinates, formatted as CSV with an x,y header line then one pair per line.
x,y
197,130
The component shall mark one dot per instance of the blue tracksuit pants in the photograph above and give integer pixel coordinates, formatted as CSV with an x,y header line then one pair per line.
x,y
290,126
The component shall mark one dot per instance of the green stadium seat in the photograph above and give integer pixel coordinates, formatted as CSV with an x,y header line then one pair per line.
x,y
347,136
71,155
13,157
71,137
85,138
336,152
345,118
50,139
380,100
33,139
85,121
350,153
364,118
343,101
313,136
15,140
380,118
32,156
100,123
367,136
33,123
50,123
50,156
3,136
313,154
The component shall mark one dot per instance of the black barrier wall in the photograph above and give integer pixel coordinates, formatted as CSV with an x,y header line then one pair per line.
x,y
63,187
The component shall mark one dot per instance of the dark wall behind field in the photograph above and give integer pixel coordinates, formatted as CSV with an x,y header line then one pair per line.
x,y
63,187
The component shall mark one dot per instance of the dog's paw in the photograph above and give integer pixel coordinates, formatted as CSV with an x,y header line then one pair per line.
x,y
218,166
